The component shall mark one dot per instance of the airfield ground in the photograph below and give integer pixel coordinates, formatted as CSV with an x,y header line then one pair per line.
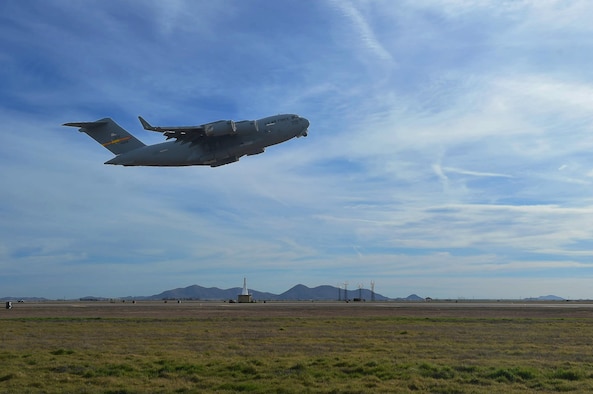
x,y
295,347
209,309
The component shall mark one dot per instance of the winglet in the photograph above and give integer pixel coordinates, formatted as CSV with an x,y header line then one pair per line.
x,y
147,125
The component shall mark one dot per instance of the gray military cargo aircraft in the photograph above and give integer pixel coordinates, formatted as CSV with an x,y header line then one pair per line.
x,y
212,144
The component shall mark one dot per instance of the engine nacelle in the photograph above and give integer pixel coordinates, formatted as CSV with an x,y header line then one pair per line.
x,y
246,127
222,127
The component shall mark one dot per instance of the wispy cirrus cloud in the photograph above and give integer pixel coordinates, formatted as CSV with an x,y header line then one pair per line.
x,y
364,31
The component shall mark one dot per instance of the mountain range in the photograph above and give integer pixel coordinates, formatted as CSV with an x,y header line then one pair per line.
x,y
297,293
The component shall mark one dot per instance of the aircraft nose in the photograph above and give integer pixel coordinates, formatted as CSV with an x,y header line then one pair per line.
x,y
305,131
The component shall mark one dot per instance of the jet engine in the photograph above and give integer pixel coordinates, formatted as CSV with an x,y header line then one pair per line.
x,y
246,126
222,127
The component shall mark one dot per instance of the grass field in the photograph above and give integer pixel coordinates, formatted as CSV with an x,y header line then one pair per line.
x,y
119,350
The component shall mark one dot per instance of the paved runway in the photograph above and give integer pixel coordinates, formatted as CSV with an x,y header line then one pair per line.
x,y
211,309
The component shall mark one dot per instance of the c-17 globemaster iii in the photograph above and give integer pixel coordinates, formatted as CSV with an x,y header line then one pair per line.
x,y
213,144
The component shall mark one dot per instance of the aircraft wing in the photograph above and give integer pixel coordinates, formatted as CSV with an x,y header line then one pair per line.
x,y
184,133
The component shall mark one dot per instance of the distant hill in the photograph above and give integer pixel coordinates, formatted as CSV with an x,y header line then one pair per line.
x,y
298,292
549,297
196,292
411,297
327,293
302,292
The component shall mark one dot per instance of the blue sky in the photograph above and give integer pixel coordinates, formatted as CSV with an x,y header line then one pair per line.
x,y
450,151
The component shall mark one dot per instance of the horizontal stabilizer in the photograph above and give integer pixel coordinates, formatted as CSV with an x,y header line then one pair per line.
x,y
87,125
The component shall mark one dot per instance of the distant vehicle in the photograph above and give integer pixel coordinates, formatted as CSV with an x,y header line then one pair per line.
x,y
213,144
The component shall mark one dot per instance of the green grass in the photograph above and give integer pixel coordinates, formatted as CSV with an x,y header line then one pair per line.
x,y
290,355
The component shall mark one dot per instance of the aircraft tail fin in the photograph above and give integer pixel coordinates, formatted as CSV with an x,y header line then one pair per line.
x,y
109,134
